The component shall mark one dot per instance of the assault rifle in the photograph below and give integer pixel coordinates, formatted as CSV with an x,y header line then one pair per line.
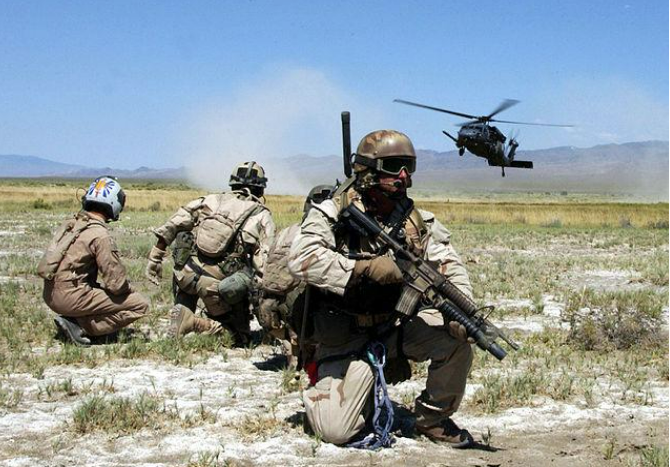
x,y
425,284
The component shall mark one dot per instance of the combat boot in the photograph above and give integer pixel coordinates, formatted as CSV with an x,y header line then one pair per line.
x,y
448,432
69,330
181,321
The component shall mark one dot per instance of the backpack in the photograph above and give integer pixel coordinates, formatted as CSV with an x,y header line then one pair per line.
x,y
276,277
65,236
220,224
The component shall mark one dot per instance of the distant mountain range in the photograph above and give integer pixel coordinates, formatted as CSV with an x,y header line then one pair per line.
x,y
15,166
638,169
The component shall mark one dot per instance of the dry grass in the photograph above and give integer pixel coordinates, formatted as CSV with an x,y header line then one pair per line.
x,y
17,195
554,214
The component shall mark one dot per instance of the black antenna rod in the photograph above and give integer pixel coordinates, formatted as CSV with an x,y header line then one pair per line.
x,y
346,142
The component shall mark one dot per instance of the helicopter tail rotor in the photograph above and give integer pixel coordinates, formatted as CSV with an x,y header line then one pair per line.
x,y
512,144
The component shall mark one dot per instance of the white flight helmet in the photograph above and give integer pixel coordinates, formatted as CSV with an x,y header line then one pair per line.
x,y
105,195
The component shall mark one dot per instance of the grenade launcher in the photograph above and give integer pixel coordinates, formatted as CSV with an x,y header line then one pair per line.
x,y
425,285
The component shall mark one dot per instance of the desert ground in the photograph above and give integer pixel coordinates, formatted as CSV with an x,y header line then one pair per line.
x,y
580,282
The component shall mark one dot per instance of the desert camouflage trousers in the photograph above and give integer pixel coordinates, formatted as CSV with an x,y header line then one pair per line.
x,y
190,286
97,311
338,406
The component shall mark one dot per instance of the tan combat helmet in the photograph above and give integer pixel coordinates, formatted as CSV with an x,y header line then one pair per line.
x,y
248,174
385,151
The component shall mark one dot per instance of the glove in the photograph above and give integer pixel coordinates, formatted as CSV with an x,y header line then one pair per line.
x,y
458,332
381,270
154,270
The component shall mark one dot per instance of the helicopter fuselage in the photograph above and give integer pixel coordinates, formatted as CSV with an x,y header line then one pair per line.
x,y
484,141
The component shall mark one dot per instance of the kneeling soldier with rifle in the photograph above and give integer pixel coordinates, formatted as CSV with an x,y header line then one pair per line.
x,y
365,310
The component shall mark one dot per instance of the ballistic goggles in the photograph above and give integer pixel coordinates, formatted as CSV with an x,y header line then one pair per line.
x,y
388,165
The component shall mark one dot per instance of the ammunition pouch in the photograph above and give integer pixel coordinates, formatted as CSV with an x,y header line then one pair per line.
x,y
232,264
183,248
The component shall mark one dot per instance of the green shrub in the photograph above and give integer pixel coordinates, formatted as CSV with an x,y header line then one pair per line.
x,y
39,203
614,320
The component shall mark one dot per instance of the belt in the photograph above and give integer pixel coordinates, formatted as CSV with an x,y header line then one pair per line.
x,y
368,321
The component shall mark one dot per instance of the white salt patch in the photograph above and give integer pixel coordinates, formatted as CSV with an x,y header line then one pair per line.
x,y
512,303
8,233
8,279
552,308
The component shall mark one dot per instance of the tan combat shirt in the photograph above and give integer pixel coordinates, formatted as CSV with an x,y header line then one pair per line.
x,y
258,231
92,254
319,258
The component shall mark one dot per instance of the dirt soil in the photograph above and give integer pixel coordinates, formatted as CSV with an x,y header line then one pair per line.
x,y
243,385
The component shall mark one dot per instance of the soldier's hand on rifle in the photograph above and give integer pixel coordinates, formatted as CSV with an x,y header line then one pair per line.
x,y
458,332
154,270
381,269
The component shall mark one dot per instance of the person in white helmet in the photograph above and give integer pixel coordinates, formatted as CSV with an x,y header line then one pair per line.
x,y
81,254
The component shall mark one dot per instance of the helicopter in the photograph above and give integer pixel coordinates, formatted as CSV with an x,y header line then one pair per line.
x,y
485,140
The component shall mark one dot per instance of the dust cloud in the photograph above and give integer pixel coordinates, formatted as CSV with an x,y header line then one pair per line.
x,y
286,112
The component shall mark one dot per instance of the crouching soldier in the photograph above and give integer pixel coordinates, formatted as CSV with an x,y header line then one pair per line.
x,y
282,296
82,250
220,242
356,285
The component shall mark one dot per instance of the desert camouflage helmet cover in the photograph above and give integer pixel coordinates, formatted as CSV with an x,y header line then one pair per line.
x,y
382,144
248,174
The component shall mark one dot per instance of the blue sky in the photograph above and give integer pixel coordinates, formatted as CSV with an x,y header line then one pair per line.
x,y
166,83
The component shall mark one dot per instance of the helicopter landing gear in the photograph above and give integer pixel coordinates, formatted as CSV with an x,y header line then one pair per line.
x,y
461,151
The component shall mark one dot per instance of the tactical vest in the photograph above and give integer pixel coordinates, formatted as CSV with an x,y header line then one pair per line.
x,y
220,220
276,277
414,230
64,238
369,297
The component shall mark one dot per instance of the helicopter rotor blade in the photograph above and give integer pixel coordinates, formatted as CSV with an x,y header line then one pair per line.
x,y
470,122
437,109
528,123
504,105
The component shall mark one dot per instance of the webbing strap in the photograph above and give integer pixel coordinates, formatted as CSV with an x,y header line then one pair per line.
x,y
382,419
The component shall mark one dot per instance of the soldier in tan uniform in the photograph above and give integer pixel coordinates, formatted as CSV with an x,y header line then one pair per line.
x,y
220,243
356,287
82,252
282,298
